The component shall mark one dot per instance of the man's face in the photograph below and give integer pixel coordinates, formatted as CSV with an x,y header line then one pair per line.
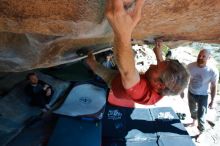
x,y
108,57
153,75
33,79
202,58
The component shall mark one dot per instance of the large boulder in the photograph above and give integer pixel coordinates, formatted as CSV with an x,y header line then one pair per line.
x,y
39,33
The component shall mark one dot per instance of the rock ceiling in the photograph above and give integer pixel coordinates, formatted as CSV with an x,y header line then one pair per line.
x,y
44,33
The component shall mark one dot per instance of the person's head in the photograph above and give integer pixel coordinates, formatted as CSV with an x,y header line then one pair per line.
x,y
203,57
32,78
168,77
109,55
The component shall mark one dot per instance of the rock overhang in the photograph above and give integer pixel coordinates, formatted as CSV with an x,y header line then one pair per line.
x,y
36,34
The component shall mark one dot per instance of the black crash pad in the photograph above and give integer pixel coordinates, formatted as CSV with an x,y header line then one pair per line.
x,y
138,127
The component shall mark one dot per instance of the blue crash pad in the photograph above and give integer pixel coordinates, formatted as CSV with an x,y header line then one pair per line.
x,y
79,115
70,131
123,127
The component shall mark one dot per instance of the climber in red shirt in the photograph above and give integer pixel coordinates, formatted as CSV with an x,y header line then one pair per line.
x,y
127,86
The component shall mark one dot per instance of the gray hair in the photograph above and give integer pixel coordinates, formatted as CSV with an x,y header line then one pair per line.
x,y
175,78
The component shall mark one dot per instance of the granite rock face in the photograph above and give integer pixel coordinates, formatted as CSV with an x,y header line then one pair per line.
x,y
39,33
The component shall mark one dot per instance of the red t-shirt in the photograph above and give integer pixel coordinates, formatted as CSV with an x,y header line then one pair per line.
x,y
139,93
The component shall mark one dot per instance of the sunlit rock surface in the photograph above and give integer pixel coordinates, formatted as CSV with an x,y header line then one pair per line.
x,y
39,33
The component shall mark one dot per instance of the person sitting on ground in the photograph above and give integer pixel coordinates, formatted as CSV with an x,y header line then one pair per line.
x,y
39,91
127,86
